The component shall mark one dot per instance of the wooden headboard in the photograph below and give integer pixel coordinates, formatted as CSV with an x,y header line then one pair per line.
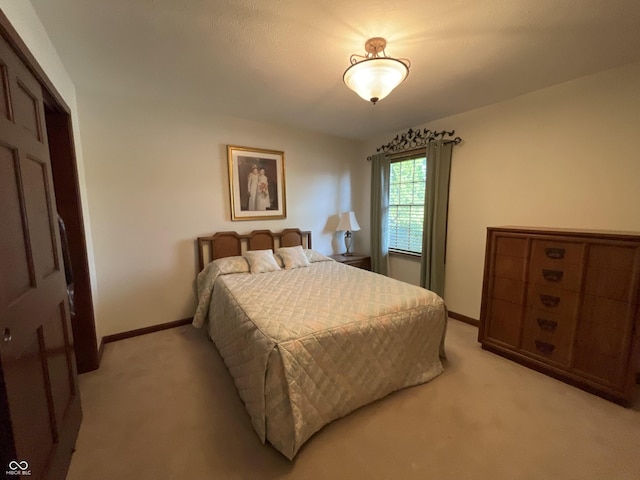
x,y
229,244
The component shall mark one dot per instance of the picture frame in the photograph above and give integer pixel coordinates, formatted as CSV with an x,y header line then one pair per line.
x,y
256,183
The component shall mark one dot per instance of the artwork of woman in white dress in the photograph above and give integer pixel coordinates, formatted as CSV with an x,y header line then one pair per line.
x,y
257,185
252,186
263,202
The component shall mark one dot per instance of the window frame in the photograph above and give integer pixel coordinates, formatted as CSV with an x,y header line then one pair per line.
x,y
401,157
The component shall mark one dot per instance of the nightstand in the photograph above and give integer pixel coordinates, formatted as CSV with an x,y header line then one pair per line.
x,y
355,260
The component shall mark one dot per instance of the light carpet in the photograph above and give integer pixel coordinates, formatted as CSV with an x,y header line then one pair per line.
x,y
163,406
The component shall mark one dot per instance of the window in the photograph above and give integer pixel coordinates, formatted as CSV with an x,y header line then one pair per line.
x,y
406,204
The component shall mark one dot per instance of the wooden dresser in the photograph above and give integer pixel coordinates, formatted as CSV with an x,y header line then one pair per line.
x,y
566,303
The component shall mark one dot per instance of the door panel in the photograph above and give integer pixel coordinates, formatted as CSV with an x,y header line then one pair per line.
x,y
27,112
4,92
13,238
26,386
59,357
40,214
41,411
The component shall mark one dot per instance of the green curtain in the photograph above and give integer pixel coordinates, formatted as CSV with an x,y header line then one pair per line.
x,y
379,213
436,206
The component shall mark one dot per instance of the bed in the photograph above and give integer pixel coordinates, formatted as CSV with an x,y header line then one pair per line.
x,y
315,339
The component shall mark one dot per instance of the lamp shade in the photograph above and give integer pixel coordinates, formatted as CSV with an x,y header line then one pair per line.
x,y
375,78
347,222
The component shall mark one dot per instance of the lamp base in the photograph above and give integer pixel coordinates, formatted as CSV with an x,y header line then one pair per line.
x,y
347,243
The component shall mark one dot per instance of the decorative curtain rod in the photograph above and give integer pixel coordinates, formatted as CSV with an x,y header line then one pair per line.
x,y
413,139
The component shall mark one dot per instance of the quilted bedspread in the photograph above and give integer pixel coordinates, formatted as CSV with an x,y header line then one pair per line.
x,y
309,345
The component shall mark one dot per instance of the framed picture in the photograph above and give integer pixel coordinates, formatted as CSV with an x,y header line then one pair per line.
x,y
256,183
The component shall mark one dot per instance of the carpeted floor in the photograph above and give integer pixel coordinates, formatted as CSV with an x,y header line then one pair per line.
x,y
162,406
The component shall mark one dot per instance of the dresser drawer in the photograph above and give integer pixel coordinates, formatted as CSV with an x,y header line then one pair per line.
x,y
549,323
511,246
509,267
612,314
510,257
597,338
508,289
565,276
609,283
551,349
618,256
556,252
503,321
606,369
552,300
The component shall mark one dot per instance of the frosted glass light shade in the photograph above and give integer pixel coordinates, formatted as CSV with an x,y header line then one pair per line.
x,y
375,78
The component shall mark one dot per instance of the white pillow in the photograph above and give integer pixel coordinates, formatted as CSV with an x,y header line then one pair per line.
x,y
279,260
261,261
314,256
293,257
232,265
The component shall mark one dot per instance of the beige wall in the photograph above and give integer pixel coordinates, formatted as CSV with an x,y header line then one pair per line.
x,y
26,22
157,179
565,156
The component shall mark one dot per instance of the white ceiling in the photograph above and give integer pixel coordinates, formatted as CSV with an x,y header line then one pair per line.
x,y
282,60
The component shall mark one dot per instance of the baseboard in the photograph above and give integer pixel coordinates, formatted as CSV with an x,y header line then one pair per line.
x,y
143,331
464,318
100,351
139,331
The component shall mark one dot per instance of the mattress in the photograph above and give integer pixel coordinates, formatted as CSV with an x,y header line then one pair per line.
x,y
309,345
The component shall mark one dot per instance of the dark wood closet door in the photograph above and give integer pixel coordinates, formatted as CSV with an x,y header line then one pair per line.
x,y
40,409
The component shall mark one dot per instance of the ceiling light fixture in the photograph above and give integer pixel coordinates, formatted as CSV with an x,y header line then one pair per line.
x,y
374,76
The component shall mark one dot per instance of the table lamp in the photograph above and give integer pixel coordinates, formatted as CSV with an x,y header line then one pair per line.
x,y
347,224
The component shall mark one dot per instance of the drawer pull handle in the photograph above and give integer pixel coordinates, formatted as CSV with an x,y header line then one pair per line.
x,y
555,253
552,275
549,300
547,325
544,347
